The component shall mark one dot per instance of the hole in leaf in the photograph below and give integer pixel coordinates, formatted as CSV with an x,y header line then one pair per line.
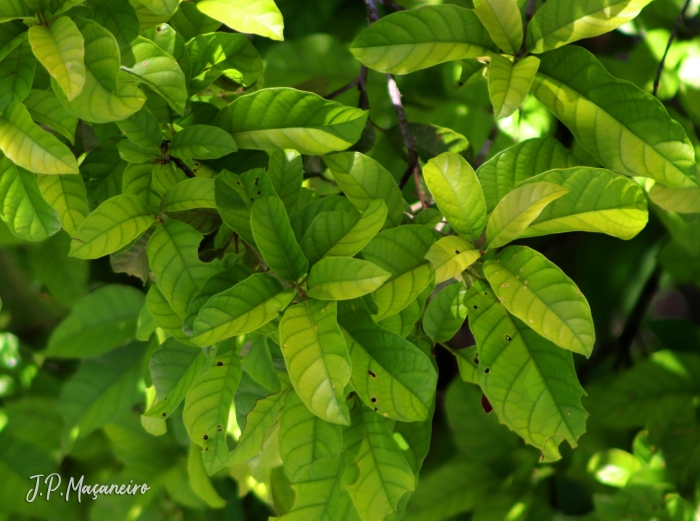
x,y
487,370
206,437
476,307
373,375
509,338
374,400
219,364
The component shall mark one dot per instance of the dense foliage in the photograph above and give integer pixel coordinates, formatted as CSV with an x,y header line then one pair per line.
x,y
271,278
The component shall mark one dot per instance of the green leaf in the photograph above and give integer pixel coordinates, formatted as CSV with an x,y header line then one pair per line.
x,y
680,200
384,473
220,282
164,315
189,194
245,307
305,438
404,322
113,225
317,358
174,367
160,71
315,207
503,22
44,107
13,9
389,373
166,177
164,7
60,48
102,56
363,180
458,194
99,322
132,153
530,382
342,278
509,83
22,207
400,251
415,39
602,109
277,119
286,171
191,22
317,492
16,74
450,256
142,128
518,209
445,313
199,480
563,22
215,53
369,224
537,292
30,147
430,140
202,142
258,362
275,239
103,388
120,19
259,421
598,201
138,180
206,411
247,16
172,254
507,169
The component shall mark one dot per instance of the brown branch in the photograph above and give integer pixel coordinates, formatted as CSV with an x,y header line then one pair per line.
x,y
372,13
487,146
342,90
182,166
361,83
392,5
662,63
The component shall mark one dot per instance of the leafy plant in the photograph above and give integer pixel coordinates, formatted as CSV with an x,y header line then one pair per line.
x,y
293,296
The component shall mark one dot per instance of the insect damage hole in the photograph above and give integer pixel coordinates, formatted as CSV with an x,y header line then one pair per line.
x,y
373,375
487,370
206,437
219,364
374,400
509,338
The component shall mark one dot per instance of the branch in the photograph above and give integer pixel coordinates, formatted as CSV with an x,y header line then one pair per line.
x,y
361,83
182,166
372,13
681,16
487,146
392,5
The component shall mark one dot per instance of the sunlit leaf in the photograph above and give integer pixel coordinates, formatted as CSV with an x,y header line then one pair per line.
x,y
277,119
458,194
247,16
258,362
113,225
598,201
317,491
317,358
245,307
530,382
363,180
343,278
681,200
509,83
561,22
197,192
120,19
207,407
215,53
537,292
60,48
503,21
450,256
172,254
286,172
518,209
30,147
507,169
640,138
142,128
390,374
22,206
411,40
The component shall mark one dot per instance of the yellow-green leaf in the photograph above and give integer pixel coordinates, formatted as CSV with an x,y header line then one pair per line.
x,y
458,194
537,292
32,148
518,209
503,21
44,107
60,48
113,225
343,278
450,256
67,195
509,84
247,16
680,200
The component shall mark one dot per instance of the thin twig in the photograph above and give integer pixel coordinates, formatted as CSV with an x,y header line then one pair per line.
x,y
342,90
361,83
372,13
182,166
681,16
484,152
